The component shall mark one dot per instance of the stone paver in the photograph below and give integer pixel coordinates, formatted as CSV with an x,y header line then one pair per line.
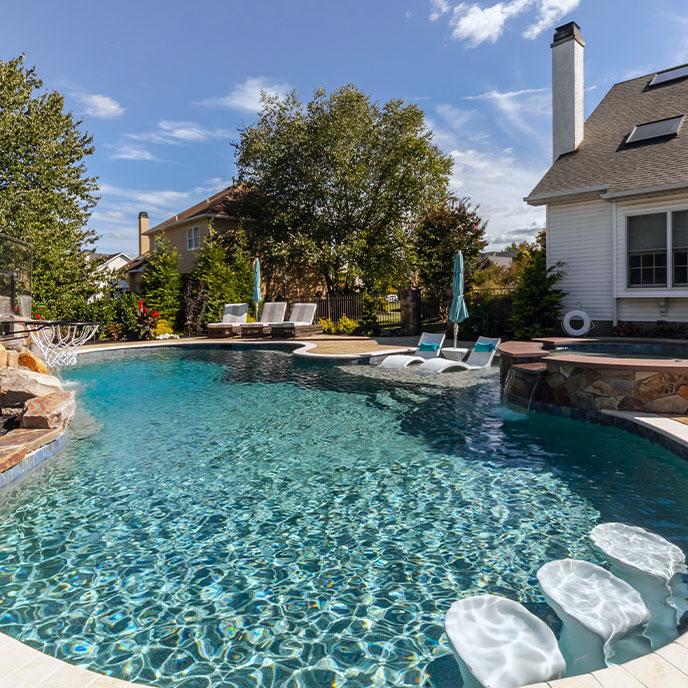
x,y
616,677
654,671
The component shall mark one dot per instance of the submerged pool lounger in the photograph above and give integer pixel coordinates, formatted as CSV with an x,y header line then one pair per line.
x,y
429,347
498,642
480,357
595,607
649,563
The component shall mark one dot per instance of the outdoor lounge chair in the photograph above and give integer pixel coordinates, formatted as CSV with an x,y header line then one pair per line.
x,y
596,609
273,313
300,323
428,347
498,642
233,316
481,356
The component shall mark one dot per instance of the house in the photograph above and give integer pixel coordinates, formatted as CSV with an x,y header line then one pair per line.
x,y
107,264
186,231
502,259
616,195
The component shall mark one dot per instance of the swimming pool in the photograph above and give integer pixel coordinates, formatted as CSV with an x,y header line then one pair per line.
x,y
243,518
628,349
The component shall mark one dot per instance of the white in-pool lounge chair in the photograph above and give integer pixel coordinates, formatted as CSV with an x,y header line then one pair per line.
x,y
653,566
300,322
481,356
233,316
596,609
429,346
273,313
498,642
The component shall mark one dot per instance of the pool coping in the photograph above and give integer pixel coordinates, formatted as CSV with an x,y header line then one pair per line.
x,y
26,667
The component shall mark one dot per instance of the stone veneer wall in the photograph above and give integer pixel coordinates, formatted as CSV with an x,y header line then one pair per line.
x,y
597,388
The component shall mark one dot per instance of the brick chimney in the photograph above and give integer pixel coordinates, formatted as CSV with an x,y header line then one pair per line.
x,y
144,240
567,89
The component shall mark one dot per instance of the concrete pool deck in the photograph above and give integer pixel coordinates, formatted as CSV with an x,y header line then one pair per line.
x,y
25,667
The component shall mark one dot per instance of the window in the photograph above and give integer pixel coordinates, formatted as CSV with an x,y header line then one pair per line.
x,y
193,238
669,75
647,250
679,244
655,130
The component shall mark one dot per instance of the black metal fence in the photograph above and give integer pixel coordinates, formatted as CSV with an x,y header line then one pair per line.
x,y
388,310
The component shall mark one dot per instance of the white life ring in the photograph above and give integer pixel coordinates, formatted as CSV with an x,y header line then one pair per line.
x,y
584,328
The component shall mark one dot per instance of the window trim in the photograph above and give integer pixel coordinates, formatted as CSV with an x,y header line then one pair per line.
x,y
193,238
621,288
667,248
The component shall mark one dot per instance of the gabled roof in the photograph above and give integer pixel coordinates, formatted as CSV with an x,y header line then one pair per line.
x,y
605,165
221,204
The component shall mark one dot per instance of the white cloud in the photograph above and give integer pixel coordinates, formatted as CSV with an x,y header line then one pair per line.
x,y
438,8
549,13
246,95
171,132
211,186
129,152
163,201
475,24
100,106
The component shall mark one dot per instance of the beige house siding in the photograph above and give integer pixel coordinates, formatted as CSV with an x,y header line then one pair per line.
x,y
178,237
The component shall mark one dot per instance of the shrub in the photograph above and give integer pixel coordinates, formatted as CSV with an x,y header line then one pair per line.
x,y
345,325
327,325
114,331
163,327
195,303
369,324
146,321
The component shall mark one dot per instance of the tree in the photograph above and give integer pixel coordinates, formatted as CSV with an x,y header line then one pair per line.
x,y
162,285
447,228
215,279
536,307
46,196
338,185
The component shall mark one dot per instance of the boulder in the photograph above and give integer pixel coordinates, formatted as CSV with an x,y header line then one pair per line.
x,y
54,410
19,384
31,439
3,356
10,456
28,359
672,404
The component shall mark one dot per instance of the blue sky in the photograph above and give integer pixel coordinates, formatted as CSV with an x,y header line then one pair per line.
x,y
163,86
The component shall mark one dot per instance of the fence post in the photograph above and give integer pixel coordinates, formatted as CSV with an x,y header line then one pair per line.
x,y
409,302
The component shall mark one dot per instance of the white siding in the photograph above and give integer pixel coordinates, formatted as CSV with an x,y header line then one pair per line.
x,y
580,236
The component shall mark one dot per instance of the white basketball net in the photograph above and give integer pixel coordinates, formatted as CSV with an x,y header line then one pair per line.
x,y
59,343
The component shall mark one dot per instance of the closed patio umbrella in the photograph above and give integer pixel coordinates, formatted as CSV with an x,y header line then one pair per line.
x,y
458,311
257,295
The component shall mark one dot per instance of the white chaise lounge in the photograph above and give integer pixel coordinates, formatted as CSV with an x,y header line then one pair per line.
x,y
429,346
652,566
300,322
273,313
233,316
498,642
596,610
481,356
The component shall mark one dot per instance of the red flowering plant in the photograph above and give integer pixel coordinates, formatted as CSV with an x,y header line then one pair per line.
x,y
146,321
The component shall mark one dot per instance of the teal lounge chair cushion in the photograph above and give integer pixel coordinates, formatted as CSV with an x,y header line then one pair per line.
x,y
484,347
426,346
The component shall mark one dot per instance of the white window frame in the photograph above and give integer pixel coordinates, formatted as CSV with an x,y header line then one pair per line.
x,y
193,238
623,290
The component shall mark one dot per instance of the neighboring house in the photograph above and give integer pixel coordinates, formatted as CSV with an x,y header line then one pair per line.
x,y
617,192
187,229
503,259
106,265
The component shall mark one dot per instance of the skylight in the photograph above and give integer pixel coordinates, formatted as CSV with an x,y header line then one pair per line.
x,y
669,75
654,130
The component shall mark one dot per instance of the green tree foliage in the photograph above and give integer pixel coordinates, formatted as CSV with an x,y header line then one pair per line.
x,y
46,196
447,228
162,282
338,185
536,306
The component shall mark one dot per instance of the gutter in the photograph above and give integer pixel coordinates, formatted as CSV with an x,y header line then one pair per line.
x,y
542,199
645,190
176,223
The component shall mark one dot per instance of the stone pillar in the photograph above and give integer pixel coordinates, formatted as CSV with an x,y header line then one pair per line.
x,y
409,302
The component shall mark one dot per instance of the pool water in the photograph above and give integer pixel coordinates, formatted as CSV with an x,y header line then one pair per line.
x,y
245,519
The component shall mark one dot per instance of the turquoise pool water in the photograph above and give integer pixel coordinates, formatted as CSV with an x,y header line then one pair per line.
x,y
243,519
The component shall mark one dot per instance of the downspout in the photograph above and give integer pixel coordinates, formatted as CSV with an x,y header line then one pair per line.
x,y
615,303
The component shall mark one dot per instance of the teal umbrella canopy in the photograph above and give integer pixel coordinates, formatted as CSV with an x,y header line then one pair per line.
x,y
257,295
458,311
